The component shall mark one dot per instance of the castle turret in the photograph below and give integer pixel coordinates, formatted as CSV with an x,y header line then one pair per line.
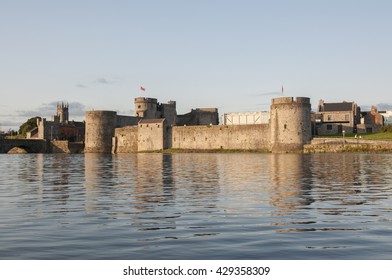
x,y
146,108
290,124
100,127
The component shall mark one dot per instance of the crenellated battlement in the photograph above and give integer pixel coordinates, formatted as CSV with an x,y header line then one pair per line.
x,y
290,100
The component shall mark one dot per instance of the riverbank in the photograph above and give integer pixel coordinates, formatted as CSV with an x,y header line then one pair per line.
x,y
348,145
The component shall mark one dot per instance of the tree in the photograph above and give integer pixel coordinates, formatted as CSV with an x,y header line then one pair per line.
x,y
28,125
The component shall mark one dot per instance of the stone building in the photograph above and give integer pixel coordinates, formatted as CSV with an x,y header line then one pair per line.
x,y
150,108
59,128
152,135
153,121
334,118
288,130
199,116
371,121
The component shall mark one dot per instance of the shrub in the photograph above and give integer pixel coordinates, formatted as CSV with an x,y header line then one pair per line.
x,y
387,128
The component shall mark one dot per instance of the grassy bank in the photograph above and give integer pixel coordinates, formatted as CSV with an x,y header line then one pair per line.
x,y
387,135
378,136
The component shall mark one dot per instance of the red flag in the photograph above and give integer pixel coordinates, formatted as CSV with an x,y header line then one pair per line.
x,y
142,88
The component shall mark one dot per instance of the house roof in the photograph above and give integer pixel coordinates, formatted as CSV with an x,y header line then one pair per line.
x,y
334,107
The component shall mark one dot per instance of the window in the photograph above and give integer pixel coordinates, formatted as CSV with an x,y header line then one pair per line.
x,y
329,126
329,117
347,117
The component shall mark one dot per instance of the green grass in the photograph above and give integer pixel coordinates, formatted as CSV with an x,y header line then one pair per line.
x,y
369,136
19,136
378,136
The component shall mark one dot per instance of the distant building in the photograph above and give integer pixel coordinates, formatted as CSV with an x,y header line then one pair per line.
x,y
150,108
334,118
199,116
244,118
59,128
387,117
371,121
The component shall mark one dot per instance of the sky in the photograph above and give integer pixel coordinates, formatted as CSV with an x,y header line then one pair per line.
x,y
232,55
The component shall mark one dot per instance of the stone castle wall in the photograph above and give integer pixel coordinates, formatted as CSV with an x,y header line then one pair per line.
x,y
289,129
233,137
199,116
151,135
125,140
123,121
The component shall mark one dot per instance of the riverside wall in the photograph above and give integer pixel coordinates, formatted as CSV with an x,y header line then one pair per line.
x,y
338,145
233,137
289,129
64,146
40,146
125,140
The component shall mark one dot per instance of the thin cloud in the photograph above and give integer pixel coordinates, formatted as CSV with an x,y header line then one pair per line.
x,y
81,86
76,109
103,81
384,106
9,123
126,113
274,93
379,106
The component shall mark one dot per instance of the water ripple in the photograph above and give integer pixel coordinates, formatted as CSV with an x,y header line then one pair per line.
x,y
195,206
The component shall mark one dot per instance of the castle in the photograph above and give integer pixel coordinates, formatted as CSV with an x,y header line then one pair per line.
x,y
157,127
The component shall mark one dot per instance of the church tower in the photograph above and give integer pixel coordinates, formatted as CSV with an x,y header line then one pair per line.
x,y
62,112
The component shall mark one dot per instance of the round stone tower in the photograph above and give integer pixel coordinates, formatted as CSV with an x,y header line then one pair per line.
x,y
146,108
290,124
100,127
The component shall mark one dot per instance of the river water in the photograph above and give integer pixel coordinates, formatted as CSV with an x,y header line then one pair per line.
x,y
196,206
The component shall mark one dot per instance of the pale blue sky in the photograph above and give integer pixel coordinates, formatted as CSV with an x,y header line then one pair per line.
x,y
96,54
